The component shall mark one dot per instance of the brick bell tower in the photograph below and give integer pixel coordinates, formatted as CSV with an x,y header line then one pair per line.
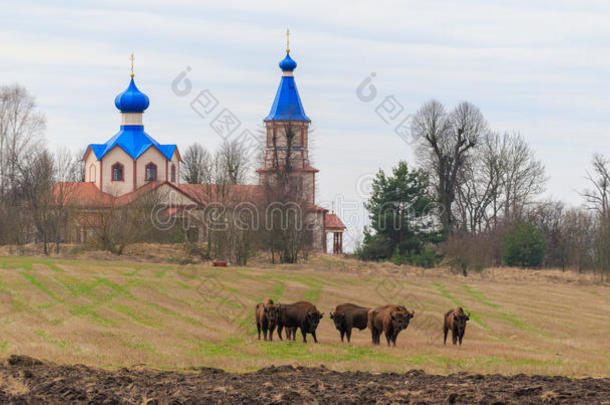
x,y
287,116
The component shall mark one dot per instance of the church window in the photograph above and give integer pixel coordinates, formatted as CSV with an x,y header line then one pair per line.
x,y
151,172
173,177
117,172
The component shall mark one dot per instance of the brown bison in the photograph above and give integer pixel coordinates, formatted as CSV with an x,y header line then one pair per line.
x,y
266,315
303,315
455,320
389,319
348,316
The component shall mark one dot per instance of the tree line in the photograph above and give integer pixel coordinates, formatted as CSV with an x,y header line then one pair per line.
x,y
473,200
29,211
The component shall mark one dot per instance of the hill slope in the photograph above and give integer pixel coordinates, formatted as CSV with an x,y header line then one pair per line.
x,y
115,314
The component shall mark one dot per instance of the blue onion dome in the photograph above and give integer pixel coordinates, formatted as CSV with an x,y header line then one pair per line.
x,y
288,64
132,99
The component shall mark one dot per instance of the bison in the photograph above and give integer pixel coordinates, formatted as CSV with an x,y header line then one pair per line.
x,y
455,320
389,319
348,316
266,315
303,315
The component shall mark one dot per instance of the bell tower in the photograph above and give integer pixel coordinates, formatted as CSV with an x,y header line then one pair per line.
x,y
287,134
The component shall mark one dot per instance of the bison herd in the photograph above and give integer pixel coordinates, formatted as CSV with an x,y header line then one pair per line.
x,y
389,319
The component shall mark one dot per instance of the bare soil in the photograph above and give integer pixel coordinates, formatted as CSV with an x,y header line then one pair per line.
x,y
26,380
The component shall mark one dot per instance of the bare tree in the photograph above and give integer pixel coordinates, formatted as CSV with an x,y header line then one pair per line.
x,y
21,128
35,181
195,168
598,198
523,178
480,186
115,226
234,161
445,141
580,227
549,216
68,169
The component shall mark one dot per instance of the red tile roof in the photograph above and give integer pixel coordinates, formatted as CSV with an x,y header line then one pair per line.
x,y
332,222
88,195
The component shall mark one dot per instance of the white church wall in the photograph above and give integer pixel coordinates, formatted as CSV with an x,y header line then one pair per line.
x,y
117,188
152,155
92,169
176,162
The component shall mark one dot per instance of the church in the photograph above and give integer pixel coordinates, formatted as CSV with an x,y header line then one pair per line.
x,y
132,163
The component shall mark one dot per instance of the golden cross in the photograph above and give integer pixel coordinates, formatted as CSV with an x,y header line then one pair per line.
x,y
131,64
287,40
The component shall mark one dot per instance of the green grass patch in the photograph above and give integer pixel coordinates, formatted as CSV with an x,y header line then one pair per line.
x,y
62,344
503,314
37,283
480,297
136,316
89,311
473,315
314,286
142,346
226,348
278,291
174,314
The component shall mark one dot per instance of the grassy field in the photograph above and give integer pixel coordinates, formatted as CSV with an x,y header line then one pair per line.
x,y
117,313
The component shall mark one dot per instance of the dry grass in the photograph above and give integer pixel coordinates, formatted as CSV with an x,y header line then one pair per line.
x,y
119,313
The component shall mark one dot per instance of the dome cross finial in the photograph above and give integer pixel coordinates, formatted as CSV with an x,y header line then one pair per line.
x,y
287,40
131,64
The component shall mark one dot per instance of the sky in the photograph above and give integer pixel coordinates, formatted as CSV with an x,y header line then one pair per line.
x,y
539,68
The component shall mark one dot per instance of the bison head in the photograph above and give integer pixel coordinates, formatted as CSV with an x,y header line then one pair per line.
x,y
459,320
401,319
313,320
338,319
272,312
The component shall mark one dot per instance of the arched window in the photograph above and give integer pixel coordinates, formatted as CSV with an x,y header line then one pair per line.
x,y
117,172
92,173
151,172
173,173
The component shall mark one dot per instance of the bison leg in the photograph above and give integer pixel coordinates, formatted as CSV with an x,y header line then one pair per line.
x,y
376,337
454,336
304,334
342,334
388,338
445,331
348,332
258,326
279,331
461,337
315,339
271,333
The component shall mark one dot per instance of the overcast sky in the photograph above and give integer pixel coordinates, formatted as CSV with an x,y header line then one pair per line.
x,y
537,67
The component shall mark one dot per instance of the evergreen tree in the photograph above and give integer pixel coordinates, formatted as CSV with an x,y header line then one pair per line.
x,y
524,246
402,220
